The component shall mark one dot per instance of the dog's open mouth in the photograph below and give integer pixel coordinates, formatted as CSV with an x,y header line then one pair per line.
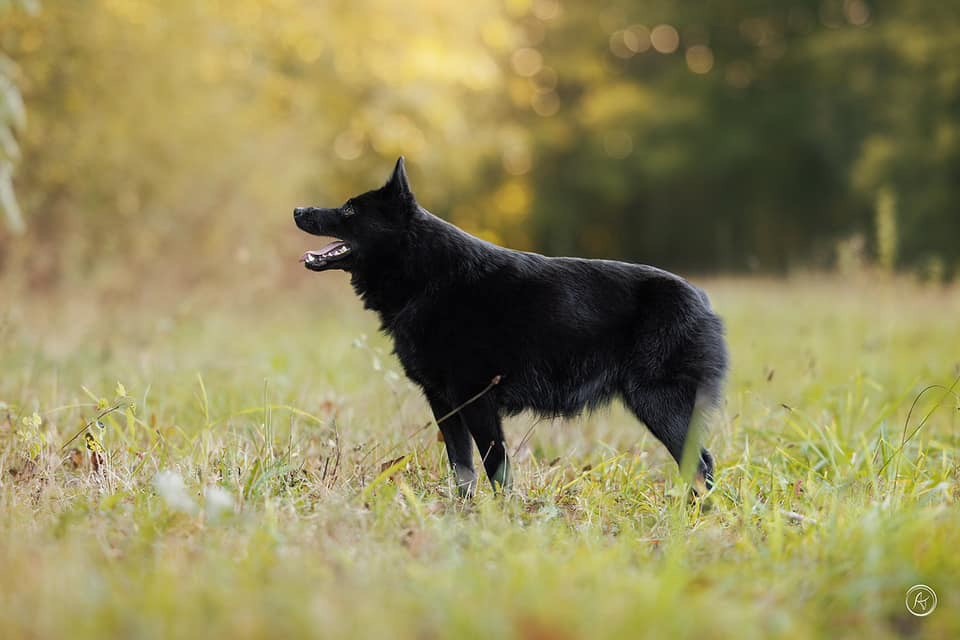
x,y
322,258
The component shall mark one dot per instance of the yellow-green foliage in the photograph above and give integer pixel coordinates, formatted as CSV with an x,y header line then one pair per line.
x,y
274,480
149,117
691,135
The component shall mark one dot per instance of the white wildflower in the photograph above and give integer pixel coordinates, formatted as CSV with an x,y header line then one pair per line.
x,y
170,486
217,501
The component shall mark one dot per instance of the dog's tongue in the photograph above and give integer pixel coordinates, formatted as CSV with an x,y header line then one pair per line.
x,y
320,253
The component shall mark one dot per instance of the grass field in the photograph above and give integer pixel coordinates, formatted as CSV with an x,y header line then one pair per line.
x,y
274,479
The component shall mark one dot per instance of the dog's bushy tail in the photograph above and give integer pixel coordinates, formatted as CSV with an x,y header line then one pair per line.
x,y
712,372
713,362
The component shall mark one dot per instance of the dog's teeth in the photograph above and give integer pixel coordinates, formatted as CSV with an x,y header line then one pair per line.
x,y
315,258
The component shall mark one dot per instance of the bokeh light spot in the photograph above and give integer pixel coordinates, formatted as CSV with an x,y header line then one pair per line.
x,y
637,37
619,47
857,12
348,145
527,61
516,160
546,9
665,38
545,104
700,59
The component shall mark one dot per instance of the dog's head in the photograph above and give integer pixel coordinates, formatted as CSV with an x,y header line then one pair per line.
x,y
363,225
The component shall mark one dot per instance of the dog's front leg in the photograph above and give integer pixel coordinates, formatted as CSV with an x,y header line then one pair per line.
x,y
457,440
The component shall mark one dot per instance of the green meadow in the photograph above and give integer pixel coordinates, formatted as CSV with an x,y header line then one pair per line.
x,y
262,469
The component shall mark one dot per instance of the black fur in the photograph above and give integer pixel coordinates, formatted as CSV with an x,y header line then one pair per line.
x,y
565,334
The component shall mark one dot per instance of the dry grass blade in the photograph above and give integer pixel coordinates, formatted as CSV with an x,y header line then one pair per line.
x,y
905,439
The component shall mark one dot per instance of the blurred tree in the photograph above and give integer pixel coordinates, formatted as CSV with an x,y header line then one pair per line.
x,y
185,127
736,135
746,134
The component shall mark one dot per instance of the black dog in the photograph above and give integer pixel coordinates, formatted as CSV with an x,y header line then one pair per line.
x,y
559,334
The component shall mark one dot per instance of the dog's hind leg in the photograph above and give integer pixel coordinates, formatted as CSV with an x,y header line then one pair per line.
x,y
483,421
456,437
671,412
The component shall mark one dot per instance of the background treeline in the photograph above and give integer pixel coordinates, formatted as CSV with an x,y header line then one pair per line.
x,y
701,136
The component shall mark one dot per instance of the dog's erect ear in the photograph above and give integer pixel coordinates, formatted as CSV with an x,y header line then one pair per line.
x,y
398,182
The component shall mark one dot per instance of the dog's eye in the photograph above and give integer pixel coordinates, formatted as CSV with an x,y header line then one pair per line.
x,y
347,210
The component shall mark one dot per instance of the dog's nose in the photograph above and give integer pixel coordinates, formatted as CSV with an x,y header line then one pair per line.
x,y
299,211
